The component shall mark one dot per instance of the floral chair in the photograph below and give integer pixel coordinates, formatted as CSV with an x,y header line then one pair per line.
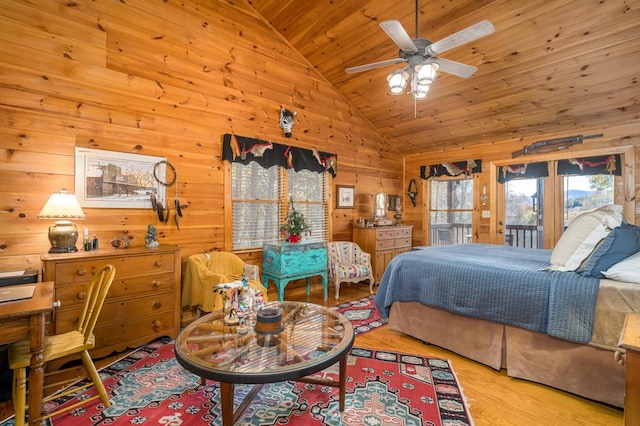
x,y
348,263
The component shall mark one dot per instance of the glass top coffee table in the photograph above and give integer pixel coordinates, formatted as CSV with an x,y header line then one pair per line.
x,y
284,341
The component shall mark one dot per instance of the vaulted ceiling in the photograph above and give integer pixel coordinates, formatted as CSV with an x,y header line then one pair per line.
x,y
550,67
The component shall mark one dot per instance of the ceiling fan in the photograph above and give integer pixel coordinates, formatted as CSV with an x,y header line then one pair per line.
x,y
420,54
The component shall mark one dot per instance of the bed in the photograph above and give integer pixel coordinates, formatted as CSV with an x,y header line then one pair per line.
x,y
519,309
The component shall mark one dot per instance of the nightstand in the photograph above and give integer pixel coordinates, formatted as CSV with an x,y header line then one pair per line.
x,y
630,341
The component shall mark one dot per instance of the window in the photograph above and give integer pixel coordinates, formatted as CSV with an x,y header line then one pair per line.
x,y
582,193
450,211
260,202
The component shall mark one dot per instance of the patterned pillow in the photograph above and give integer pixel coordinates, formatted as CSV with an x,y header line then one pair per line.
x,y
582,235
621,243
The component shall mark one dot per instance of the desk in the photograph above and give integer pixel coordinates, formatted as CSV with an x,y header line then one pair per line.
x,y
286,262
26,319
312,338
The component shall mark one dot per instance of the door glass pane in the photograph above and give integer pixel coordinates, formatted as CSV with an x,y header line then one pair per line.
x,y
450,211
582,193
524,207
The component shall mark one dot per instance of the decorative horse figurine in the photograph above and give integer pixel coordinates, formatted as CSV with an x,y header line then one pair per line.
x,y
286,121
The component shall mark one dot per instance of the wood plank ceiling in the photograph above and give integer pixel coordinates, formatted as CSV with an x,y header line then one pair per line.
x,y
551,67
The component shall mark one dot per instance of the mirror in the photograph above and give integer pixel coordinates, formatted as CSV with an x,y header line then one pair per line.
x,y
381,205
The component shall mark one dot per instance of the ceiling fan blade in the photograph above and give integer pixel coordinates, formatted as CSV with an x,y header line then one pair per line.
x,y
398,34
374,65
455,68
467,35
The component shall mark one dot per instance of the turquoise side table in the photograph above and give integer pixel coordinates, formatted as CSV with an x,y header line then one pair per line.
x,y
284,262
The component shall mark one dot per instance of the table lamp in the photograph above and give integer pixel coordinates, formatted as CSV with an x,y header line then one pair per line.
x,y
63,234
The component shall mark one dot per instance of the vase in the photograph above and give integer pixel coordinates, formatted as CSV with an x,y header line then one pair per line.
x,y
294,238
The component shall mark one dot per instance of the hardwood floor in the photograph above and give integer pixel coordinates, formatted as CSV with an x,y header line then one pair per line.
x,y
494,398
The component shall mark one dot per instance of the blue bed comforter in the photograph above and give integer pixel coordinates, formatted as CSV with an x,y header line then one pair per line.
x,y
496,283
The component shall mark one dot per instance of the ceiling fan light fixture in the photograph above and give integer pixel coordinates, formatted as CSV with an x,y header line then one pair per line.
x,y
420,91
426,73
398,81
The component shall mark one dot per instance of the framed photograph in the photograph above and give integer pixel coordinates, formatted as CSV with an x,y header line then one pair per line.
x,y
117,180
345,197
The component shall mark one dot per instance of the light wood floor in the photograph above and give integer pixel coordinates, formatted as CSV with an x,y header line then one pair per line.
x,y
494,398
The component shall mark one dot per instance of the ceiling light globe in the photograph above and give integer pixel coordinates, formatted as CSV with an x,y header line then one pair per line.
x,y
420,91
426,73
398,81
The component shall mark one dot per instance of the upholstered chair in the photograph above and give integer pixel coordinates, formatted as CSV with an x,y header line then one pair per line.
x,y
348,263
205,271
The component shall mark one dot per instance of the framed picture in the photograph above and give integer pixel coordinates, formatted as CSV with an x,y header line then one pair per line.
x,y
345,197
112,179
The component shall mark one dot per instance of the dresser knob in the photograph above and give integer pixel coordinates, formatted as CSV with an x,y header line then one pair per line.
x,y
157,283
157,304
157,324
56,304
81,272
82,295
158,263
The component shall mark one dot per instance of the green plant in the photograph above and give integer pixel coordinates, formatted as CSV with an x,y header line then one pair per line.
x,y
295,223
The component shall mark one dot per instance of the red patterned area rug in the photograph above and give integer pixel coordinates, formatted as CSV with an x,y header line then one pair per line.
x,y
149,387
363,314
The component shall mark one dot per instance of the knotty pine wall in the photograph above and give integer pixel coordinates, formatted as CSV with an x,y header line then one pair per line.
x,y
165,78
623,137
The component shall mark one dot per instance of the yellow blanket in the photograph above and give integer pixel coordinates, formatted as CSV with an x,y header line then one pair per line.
x,y
203,272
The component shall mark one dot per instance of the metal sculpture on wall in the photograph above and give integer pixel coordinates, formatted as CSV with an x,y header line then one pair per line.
x,y
286,121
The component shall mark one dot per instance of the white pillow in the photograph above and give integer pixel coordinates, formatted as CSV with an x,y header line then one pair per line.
x,y
582,235
628,270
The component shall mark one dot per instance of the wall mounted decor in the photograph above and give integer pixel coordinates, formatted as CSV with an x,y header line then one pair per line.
x,y
111,179
345,197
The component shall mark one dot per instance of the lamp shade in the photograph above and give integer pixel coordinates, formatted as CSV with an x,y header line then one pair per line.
x,y
398,81
62,205
425,73
63,234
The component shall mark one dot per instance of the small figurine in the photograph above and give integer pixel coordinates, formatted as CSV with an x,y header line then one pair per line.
x,y
150,239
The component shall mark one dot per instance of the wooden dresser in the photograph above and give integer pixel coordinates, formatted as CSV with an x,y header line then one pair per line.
x,y
143,302
630,340
383,243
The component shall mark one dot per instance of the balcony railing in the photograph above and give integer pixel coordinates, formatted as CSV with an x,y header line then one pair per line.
x,y
460,233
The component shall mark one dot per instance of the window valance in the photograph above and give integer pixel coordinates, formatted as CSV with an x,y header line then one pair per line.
x,y
603,164
241,149
451,169
523,171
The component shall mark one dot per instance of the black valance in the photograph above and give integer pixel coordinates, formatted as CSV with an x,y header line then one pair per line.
x,y
523,171
455,168
241,149
600,165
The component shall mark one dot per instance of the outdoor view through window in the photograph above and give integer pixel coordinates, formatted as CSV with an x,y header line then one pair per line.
x,y
523,207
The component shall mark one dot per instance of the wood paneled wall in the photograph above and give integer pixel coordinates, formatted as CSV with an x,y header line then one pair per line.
x,y
165,78
623,137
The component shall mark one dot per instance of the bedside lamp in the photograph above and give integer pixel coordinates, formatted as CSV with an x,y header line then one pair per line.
x,y
63,234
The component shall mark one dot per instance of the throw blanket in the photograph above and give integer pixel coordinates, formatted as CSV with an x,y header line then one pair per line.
x,y
496,283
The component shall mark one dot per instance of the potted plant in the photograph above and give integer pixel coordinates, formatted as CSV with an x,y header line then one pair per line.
x,y
295,225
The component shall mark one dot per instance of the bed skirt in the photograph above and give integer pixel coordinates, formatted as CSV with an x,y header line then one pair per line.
x,y
584,370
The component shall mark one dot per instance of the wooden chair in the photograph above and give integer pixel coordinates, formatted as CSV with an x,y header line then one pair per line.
x,y
79,341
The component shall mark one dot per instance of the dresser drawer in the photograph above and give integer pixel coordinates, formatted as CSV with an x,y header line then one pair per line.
x,y
385,244
72,272
133,333
119,311
403,232
402,242
386,234
72,296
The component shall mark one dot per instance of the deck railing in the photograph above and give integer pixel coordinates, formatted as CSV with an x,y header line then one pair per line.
x,y
460,233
